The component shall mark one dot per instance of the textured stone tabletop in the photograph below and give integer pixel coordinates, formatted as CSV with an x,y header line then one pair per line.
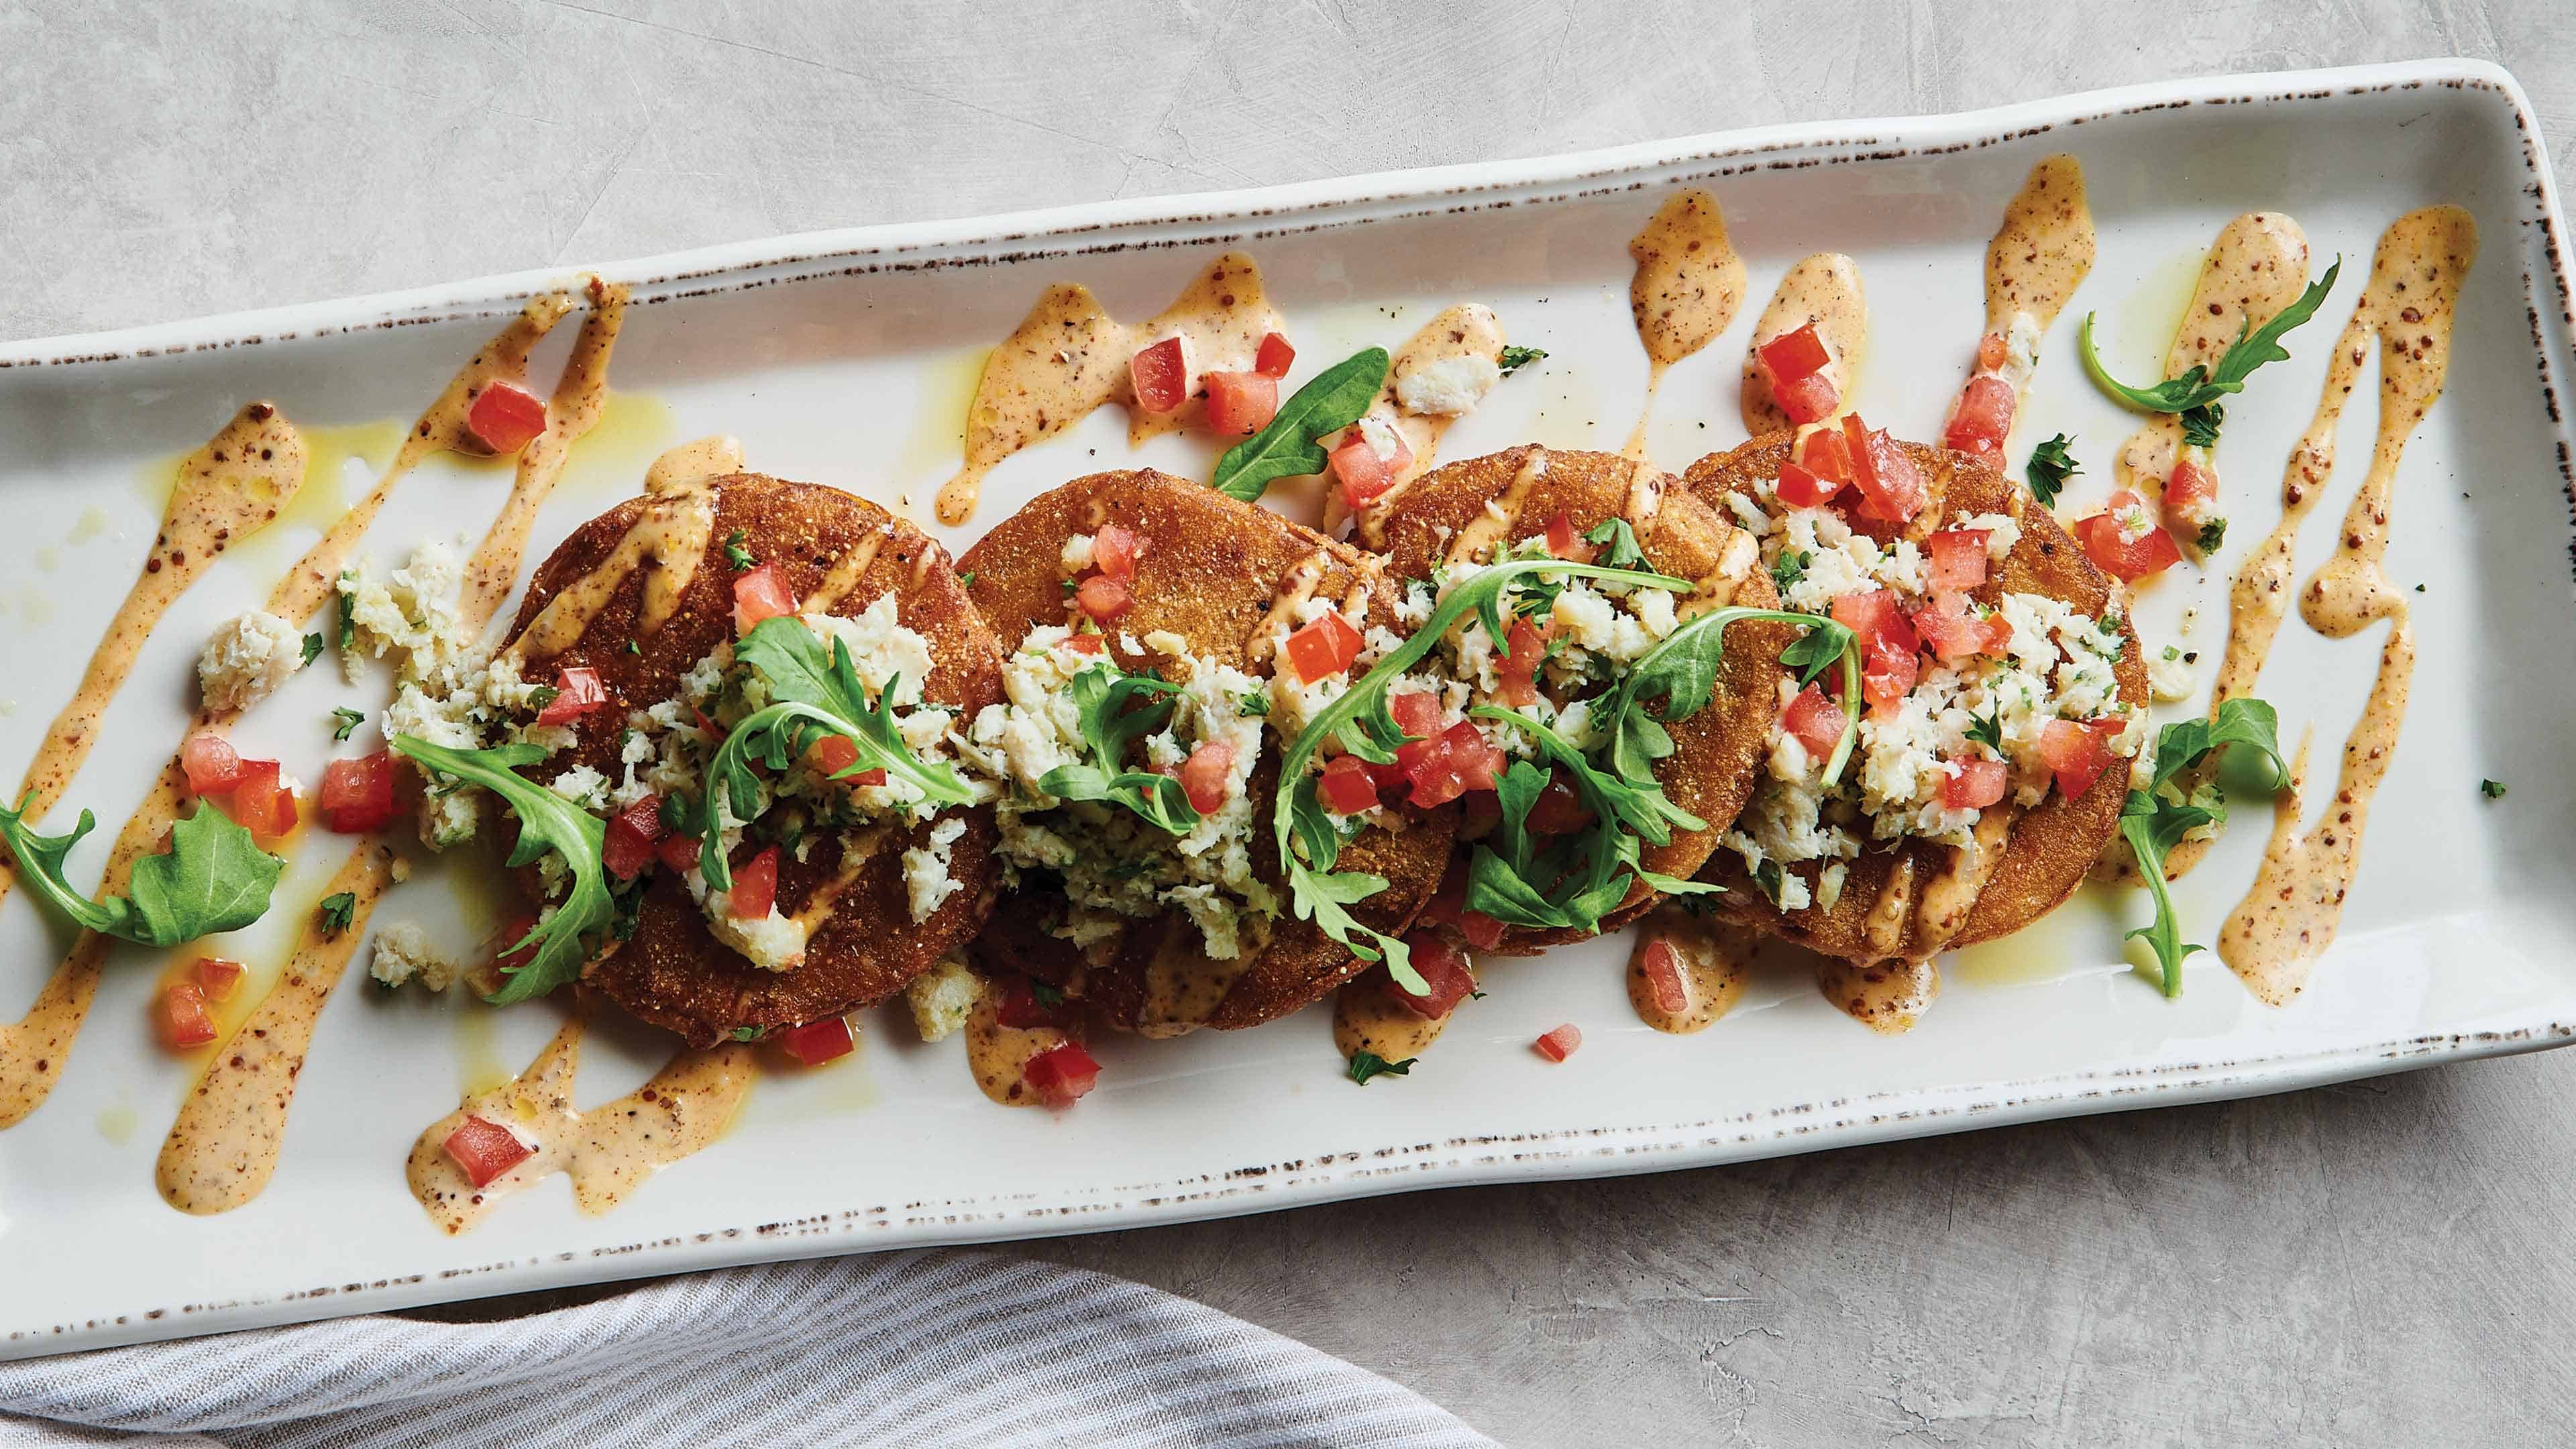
x,y
2380,1263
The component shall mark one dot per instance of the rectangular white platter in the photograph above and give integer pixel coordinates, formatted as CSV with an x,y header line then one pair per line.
x,y
847,359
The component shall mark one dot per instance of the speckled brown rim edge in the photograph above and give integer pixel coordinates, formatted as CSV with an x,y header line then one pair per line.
x,y
1394,1167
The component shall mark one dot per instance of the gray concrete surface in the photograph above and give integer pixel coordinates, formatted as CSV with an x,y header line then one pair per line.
x,y
2376,1264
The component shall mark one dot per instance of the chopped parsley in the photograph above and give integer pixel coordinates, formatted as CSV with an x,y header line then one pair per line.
x,y
2212,534
2050,466
1789,568
336,911
1252,702
2492,789
737,555
348,615
1365,1065
1988,730
1046,995
349,720
1618,543
1513,359
2200,425
634,648
966,580
312,648
749,1033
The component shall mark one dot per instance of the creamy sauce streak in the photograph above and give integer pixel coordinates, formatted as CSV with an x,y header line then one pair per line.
x,y
1068,356
581,391
2043,250
1824,289
1466,330
1367,1019
608,1151
1889,997
1492,529
999,1055
1948,898
1687,285
2258,265
1716,962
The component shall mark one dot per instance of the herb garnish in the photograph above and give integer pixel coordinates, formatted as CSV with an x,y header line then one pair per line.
x,y
213,877
2200,425
2212,534
1365,1065
349,720
1252,702
2492,789
348,615
1046,994
2154,820
1117,709
1617,543
749,1033
966,579
335,912
1789,568
1988,730
312,649
737,555
1513,359
562,941
2050,466
813,696
2199,386
1291,446
634,647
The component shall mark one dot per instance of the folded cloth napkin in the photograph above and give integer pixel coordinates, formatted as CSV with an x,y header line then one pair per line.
x,y
933,1348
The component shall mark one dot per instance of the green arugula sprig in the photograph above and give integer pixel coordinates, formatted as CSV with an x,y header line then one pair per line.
x,y
562,942
1117,709
1291,446
2200,387
213,877
812,695
1364,1065
1621,790
2155,820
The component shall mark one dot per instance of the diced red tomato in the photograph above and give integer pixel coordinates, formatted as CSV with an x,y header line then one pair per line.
x,y
1808,400
1240,404
1274,357
755,885
1802,489
1661,964
1020,1009
1983,418
485,1150
2145,556
1204,773
1062,1076
1114,551
1347,788
1563,542
1559,809
1979,783
1443,968
1887,644
1794,355
817,1042
505,417
1448,907
1824,453
1104,600
358,795
1526,649
2188,494
832,754
1086,643
1323,648
1991,351
678,853
1958,557
1815,720
2078,753
1457,762
1417,712
217,978
260,804
761,593
1363,474
631,835
1954,631
1559,1044
1891,487
577,692
180,1014
1161,374
212,764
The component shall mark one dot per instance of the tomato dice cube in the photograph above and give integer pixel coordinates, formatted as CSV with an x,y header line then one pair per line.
x,y
1204,775
1240,404
1364,473
1958,557
1983,418
1161,374
1565,543
761,593
631,836
1802,489
1275,355
678,853
1443,968
1104,600
1816,721
2078,753
1086,643
358,795
1559,808
1954,631
1824,452
1443,769
1020,1009
1979,783
260,804
1661,964
817,1042
755,885
1417,712
485,1150
1062,1076
180,1014
577,692
1807,400
1794,355
832,754
1323,648
1346,786
1991,351
217,978
1114,551
505,417
212,764
1524,650
1892,489
2111,539
1559,1044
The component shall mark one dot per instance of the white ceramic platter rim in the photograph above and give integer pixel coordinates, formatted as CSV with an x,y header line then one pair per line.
x,y
1248,216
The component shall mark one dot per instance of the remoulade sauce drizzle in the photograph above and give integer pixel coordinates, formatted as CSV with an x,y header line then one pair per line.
x,y
1824,289
1466,330
1687,285
1715,961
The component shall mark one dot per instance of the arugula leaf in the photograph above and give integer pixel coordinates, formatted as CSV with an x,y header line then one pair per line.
x,y
563,941
1289,447
213,877
1365,1065
349,720
2200,385
2050,466
1618,544
2155,820
1513,359
312,649
336,911
737,555
2200,424
1117,709
812,695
